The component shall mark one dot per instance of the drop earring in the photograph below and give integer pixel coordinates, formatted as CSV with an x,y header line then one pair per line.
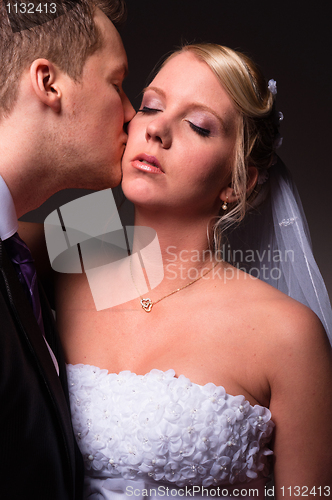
x,y
225,204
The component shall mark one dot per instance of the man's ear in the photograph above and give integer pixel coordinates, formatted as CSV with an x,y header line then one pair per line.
x,y
44,81
228,194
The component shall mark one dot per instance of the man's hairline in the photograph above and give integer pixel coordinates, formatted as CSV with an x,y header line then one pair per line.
x,y
77,80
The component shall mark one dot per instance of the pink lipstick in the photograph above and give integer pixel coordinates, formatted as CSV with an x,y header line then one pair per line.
x,y
147,163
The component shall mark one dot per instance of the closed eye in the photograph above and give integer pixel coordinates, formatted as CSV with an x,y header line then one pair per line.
x,y
145,109
204,132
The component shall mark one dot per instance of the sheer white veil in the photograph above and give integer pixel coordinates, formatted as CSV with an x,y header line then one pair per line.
x,y
274,244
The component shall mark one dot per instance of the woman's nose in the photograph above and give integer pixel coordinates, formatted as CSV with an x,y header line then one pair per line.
x,y
159,130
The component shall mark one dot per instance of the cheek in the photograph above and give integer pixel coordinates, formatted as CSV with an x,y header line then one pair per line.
x,y
135,127
205,163
112,112
136,134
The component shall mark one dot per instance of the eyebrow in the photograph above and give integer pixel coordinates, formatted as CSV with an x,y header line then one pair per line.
x,y
121,69
194,105
155,89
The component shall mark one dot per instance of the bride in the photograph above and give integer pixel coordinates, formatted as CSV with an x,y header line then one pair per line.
x,y
214,378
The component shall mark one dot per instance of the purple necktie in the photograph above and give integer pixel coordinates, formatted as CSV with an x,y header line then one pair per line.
x,y
24,265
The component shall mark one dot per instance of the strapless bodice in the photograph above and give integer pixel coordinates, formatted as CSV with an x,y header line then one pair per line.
x,y
157,427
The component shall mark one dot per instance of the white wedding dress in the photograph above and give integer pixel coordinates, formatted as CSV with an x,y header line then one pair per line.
x,y
155,435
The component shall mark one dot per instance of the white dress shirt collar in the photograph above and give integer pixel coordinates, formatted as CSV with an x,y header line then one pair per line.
x,y
8,217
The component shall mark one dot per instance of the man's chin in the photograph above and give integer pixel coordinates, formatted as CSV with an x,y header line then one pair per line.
x,y
112,178
116,177
99,185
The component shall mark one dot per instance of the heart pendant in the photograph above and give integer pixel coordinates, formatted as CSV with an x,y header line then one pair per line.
x,y
147,304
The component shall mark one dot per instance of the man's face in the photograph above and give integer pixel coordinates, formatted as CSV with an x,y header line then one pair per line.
x,y
97,109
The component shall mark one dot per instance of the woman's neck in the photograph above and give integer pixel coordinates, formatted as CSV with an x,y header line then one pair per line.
x,y
183,241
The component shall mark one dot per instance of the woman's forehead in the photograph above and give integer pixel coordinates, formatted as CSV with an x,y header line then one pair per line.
x,y
187,79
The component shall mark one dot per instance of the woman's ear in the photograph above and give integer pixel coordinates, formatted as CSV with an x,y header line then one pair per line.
x,y
228,193
44,82
252,179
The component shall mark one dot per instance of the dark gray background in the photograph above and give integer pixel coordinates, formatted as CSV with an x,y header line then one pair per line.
x,y
291,41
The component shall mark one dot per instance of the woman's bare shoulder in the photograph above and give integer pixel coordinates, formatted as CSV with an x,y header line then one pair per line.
x,y
293,332
279,318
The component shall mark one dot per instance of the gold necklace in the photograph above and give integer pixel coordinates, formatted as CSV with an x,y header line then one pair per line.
x,y
147,303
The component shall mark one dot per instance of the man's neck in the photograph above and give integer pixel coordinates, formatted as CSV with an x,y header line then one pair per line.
x,y
28,186
24,168
24,156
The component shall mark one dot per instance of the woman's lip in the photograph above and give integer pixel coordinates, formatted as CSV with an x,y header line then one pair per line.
x,y
149,159
144,167
147,163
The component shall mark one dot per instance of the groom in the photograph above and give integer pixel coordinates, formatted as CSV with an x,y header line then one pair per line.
x,y
62,116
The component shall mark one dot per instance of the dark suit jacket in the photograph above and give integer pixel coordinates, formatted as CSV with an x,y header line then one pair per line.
x,y
39,458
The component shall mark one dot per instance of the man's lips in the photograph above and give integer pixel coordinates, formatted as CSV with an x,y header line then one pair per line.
x,y
147,163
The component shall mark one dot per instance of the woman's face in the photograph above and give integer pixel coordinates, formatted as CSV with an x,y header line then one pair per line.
x,y
182,141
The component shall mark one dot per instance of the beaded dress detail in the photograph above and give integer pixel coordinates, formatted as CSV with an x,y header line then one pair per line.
x,y
160,428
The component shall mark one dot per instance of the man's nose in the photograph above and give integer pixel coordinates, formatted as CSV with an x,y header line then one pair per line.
x,y
129,111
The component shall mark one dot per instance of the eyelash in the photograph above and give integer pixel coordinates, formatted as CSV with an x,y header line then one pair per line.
x,y
203,132
147,110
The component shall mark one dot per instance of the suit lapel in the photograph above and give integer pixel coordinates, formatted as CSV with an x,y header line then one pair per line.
x,y
31,335
53,340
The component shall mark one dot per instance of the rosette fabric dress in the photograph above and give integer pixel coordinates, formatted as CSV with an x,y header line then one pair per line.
x,y
156,435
